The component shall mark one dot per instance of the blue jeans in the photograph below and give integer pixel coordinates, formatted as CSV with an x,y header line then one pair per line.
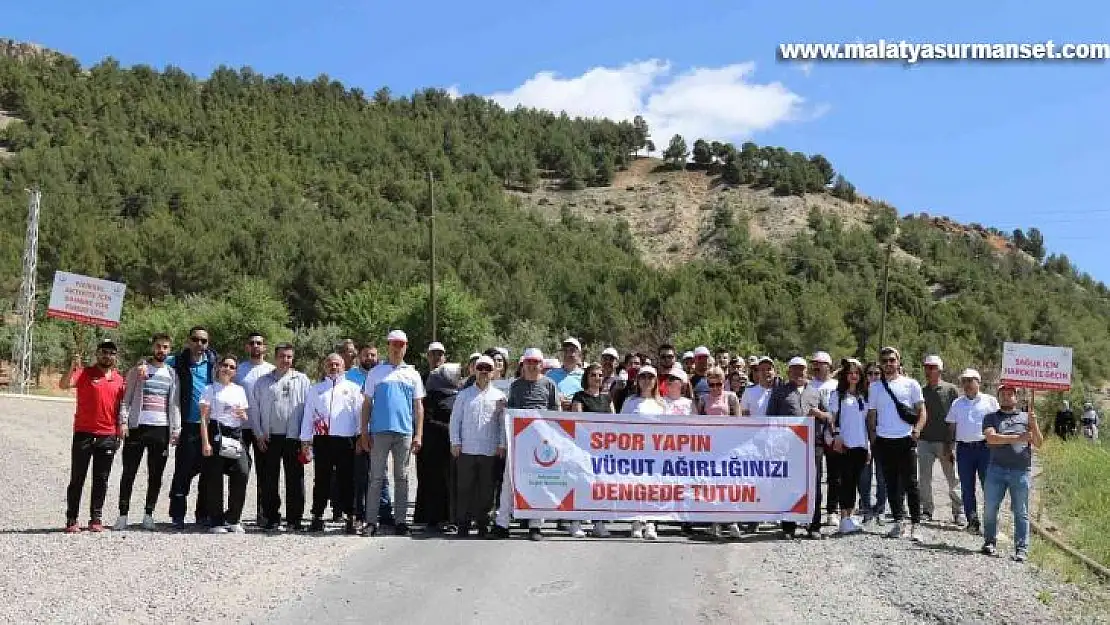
x,y
1001,480
878,506
971,461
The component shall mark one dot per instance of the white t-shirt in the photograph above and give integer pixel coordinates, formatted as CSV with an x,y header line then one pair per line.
x,y
888,423
968,415
156,395
639,405
222,400
853,419
755,399
246,375
680,406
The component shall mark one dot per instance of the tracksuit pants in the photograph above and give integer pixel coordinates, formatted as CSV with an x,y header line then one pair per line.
x,y
100,451
154,441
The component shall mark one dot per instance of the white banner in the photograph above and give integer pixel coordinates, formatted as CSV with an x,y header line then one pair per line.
x,y
86,300
1039,367
588,466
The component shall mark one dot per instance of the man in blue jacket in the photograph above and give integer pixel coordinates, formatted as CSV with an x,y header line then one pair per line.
x,y
194,366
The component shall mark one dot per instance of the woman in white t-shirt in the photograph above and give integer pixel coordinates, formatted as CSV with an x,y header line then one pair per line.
x,y
848,406
675,402
223,413
645,402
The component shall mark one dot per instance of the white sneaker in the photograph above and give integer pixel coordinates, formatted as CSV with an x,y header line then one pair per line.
x,y
121,523
575,529
649,532
600,531
914,536
219,529
237,528
895,530
850,526
734,531
637,529
717,533
148,523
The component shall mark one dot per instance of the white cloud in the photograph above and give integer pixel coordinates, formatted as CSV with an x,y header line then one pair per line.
x,y
714,103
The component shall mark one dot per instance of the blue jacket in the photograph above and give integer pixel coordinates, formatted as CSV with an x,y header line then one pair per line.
x,y
182,363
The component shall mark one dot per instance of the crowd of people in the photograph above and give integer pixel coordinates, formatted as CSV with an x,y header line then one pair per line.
x,y
361,417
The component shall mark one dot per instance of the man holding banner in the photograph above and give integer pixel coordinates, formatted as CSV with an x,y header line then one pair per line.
x,y
796,398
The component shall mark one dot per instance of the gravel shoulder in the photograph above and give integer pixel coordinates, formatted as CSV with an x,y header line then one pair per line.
x,y
138,576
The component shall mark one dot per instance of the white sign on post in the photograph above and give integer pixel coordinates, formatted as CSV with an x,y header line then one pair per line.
x,y
1038,367
86,300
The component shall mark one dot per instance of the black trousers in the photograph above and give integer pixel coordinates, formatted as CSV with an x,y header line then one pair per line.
x,y
897,458
789,527
833,473
100,451
187,464
433,476
850,465
154,441
238,474
474,489
281,454
333,456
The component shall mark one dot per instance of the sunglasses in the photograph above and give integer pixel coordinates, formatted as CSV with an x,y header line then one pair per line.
x,y
716,384
224,365
197,339
484,368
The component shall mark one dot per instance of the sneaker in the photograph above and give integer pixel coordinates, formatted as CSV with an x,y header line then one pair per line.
x,y
451,528
336,516
464,532
637,529
368,530
96,526
178,525
973,527
271,526
72,527
814,533
649,532
317,525
715,531
927,516
121,523
535,534
236,528
687,529
1020,556
914,535
845,526
402,529
959,520
219,529
349,526
148,523
830,520
734,531
482,531
600,530
989,549
575,530
499,533
895,530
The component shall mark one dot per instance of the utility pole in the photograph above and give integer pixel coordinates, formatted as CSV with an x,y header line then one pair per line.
x,y
26,312
432,251
886,290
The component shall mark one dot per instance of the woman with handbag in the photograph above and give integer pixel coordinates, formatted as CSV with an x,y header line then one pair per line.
x,y
223,413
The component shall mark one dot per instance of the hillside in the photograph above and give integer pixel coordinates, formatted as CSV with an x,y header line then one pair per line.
x,y
242,199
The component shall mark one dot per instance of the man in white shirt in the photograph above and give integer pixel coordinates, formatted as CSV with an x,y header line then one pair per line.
x,y
822,382
246,375
331,426
477,438
895,417
753,403
965,427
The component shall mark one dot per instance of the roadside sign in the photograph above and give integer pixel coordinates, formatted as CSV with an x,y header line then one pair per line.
x,y
1038,367
86,300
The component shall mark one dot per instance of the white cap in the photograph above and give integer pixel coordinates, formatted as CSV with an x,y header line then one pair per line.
x,y
687,355
766,359
397,336
796,361
700,351
572,341
504,351
677,372
932,360
484,360
970,374
551,363
532,353
609,351
648,370
436,347
822,357
474,356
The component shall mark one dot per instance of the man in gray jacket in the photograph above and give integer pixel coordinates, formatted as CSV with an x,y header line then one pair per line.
x,y
280,397
150,421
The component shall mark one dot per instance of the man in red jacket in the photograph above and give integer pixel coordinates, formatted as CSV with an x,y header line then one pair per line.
x,y
96,431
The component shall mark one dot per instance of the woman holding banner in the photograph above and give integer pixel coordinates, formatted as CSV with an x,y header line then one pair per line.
x,y
721,403
645,402
848,406
591,399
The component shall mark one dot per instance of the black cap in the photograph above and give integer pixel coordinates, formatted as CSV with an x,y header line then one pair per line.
x,y
106,344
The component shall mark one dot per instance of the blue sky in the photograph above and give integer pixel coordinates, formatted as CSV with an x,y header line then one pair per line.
x,y
1005,144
